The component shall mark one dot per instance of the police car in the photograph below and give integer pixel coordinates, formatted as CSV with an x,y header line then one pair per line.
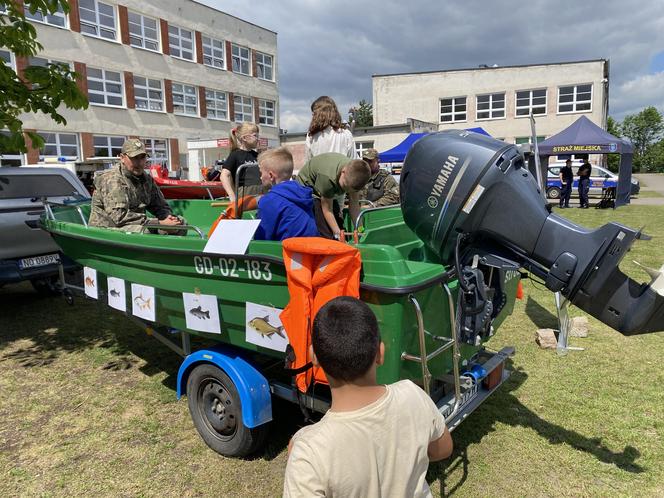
x,y
600,180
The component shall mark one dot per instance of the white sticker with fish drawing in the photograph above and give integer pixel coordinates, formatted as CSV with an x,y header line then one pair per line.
x,y
201,312
264,328
142,302
116,293
90,282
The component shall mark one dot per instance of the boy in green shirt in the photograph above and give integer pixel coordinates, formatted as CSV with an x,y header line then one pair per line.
x,y
332,175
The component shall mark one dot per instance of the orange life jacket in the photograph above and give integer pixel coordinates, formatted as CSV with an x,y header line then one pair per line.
x,y
246,203
317,270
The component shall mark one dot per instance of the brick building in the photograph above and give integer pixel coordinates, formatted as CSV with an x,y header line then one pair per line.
x,y
165,71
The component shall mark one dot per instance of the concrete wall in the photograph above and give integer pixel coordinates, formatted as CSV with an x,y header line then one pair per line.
x,y
71,46
398,97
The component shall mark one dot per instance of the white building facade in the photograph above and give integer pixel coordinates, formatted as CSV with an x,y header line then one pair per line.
x,y
498,99
165,71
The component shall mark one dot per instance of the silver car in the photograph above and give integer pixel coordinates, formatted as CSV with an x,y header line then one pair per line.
x,y
26,251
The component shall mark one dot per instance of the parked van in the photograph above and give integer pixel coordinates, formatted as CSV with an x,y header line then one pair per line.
x,y
600,179
26,251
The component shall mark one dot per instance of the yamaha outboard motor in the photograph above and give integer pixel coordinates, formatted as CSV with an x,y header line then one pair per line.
x,y
473,202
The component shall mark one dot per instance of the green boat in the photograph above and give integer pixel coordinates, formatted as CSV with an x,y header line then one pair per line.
x,y
406,286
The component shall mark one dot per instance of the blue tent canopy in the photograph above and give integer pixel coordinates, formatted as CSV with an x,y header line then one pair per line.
x,y
585,137
398,153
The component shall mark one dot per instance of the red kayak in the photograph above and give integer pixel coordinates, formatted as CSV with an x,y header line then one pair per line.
x,y
185,189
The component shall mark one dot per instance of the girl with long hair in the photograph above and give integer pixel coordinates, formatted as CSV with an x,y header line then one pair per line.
x,y
327,132
244,141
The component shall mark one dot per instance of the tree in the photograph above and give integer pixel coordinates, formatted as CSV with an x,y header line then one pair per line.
x,y
38,89
643,130
362,114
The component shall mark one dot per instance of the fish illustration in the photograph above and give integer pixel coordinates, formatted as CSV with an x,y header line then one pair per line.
x,y
114,293
89,282
264,328
142,303
200,313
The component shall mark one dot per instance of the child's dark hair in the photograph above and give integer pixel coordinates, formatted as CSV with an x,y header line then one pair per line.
x,y
345,338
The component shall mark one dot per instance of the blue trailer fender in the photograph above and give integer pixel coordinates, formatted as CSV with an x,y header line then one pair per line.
x,y
251,385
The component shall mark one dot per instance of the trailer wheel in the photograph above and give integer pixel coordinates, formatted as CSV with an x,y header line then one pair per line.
x,y
216,410
553,193
46,286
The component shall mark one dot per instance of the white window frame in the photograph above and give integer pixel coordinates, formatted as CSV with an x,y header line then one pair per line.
x,y
44,19
96,25
454,112
11,157
177,37
59,145
213,52
263,108
182,90
108,145
219,104
154,151
575,103
12,59
243,105
263,64
360,147
148,98
142,37
104,81
491,110
530,107
240,58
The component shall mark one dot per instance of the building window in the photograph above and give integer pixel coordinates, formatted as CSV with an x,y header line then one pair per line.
x,y
216,103
243,108
185,99
266,112
56,19
527,140
240,58
148,94
453,110
360,147
7,58
491,106
10,157
59,145
143,32
157,149
577,98
264,66
531,102
105,87
97,19
181,43
106,146
213,52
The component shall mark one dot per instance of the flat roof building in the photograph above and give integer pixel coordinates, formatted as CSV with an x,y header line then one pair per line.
x,y
165,71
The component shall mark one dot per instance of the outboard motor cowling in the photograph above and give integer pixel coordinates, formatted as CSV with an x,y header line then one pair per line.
x,y
461,183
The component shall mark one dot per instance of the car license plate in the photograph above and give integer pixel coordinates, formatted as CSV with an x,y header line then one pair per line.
x,y
47,259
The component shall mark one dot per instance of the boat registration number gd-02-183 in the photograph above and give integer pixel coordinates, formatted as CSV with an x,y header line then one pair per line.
x,y
231,267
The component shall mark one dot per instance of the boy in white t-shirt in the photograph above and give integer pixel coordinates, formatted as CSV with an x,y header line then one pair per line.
x,y
375,440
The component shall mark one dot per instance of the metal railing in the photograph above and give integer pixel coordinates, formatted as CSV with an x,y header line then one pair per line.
x,y
207,188
363,213
51,215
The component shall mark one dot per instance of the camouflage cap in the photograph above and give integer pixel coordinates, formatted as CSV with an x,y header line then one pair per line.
x,y
370,154
133,147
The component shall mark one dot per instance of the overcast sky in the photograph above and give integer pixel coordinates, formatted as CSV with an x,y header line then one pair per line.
x,y
333,48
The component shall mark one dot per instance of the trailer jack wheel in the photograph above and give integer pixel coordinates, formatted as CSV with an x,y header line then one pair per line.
x,y
216,411
68,295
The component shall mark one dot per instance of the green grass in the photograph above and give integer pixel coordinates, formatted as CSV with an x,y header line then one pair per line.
x,y
88,407
643,194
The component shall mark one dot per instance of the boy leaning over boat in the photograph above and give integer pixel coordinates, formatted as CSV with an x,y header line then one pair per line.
x,y
124,193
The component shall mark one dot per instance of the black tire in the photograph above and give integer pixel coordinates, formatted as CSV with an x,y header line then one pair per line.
x,y
216,410
553,193
47,286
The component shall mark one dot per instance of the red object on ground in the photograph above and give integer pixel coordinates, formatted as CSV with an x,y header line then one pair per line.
x,y
519,290
184,189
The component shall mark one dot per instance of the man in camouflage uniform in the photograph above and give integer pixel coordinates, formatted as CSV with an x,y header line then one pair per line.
x,y
124,193
382,189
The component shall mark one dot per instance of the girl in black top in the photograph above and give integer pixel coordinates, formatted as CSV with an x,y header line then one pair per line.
x,y
244,140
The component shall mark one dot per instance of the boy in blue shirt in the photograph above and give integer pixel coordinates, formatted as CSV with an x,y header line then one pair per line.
x,y
287,209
